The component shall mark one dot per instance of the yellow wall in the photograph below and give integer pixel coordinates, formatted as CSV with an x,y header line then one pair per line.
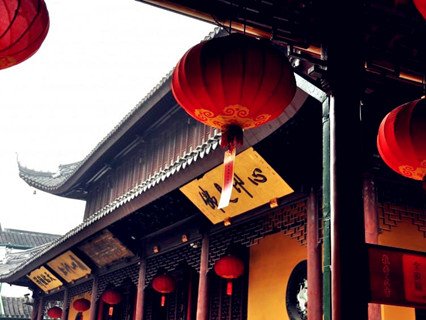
x,y
271,262
72,312
404,235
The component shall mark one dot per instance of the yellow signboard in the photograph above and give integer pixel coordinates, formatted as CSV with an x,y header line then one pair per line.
x,y
255,183
69,266
44,279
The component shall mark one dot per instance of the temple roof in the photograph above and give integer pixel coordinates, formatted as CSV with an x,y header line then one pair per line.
x,y
13,260
15,308
64,182
21,239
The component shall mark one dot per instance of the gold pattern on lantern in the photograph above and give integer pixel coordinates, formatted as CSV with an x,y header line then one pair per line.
x,y
235,114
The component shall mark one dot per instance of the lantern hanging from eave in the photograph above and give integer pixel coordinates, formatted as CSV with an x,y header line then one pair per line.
x,y
233,83
54,312
421,7
111,297
163,284
401,140
81,304
229,267
23,27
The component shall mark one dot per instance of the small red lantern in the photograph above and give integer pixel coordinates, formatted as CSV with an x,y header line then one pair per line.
x,y
233,83
163,284
54,312
81,304
23,28
111,297
229,267
401,140
421,7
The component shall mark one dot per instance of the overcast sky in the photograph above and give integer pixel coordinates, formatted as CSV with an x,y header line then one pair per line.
x,y
100,58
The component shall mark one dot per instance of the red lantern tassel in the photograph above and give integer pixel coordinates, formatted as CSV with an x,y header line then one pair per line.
x,y
229,288
163,300
110,311
231,137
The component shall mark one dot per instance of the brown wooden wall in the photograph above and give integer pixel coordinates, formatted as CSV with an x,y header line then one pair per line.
x,y
155,153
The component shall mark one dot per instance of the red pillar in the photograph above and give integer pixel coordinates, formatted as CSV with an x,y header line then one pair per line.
x,y
202,303
314,260
92,315
65,306
140,295
371,231
40,309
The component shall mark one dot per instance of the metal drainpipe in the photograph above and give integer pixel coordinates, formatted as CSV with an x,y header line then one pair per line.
x,y
326,209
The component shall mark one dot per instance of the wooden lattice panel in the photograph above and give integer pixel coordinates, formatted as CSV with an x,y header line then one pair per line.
x,y
117,277
79,289
390,215
289,219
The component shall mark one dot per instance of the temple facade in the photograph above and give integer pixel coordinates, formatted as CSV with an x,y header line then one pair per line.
x,y
312,205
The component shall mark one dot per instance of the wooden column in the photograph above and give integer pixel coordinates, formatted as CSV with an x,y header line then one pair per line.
x,y
371,231
202,302
314,260
140,295
92,314
345,64
34,311
65,306
40,309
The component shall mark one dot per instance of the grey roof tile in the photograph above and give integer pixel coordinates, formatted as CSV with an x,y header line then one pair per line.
x,y
15,308
21,239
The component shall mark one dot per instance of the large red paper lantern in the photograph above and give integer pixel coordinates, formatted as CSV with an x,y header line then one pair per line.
x,y
23,27
401,140
233,83
54,312
81,304
229,267
421,7
163,284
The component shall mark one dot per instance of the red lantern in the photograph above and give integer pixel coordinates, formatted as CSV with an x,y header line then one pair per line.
x,y
163,284
229,267
401,140
23,28
81,305
233,83
54,312
111,297
421,7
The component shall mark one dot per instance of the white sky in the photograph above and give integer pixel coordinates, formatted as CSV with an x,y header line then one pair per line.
x,y
100,58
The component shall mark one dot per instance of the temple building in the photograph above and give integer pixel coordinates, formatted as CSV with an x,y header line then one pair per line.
x,y
318,224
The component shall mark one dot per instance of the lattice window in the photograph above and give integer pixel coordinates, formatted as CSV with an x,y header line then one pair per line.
x,y
390,215
170,260
289,219
79,289
117,277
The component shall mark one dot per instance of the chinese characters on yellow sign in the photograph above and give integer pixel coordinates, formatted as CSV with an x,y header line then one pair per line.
x,y
44,279
255,183
69,266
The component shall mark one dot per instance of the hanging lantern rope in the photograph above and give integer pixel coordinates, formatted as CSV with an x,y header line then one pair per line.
x,y
233,83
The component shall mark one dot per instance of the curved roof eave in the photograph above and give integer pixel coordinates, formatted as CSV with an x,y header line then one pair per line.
x,y
61,183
